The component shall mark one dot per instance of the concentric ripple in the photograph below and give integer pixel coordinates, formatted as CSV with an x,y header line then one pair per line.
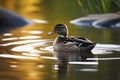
x,y
24,46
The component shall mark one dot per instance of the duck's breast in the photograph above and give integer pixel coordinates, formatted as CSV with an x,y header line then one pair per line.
x,y
65,47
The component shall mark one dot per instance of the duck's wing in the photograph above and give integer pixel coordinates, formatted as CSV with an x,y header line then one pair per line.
x,y
70,43
79,41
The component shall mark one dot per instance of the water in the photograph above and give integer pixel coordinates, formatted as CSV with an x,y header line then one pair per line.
x,y
26,53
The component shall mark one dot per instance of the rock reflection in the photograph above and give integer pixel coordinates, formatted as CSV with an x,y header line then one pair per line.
x,y
66,59
105,48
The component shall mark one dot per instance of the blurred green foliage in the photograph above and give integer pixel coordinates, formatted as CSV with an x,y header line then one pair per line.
x,y
99,6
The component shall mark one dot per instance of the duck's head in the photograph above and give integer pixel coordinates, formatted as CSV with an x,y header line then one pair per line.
x,y
60,29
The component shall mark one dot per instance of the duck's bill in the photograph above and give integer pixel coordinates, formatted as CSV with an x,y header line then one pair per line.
x,y
52,32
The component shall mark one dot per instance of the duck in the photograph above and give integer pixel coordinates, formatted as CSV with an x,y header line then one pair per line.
x,y
72,43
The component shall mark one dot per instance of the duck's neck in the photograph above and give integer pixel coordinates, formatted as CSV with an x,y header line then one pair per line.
x,y
61,38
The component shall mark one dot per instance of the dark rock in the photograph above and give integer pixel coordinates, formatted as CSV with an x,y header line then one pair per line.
x,y
111,20
10,20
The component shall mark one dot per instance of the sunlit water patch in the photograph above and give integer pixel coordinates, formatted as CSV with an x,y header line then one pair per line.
x,y
20,42
8,39
39,21
84,63
24,37
7,34
29,37
32,32
18,57
100,59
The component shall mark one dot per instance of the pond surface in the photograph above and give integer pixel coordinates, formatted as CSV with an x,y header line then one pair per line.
x,y
26,53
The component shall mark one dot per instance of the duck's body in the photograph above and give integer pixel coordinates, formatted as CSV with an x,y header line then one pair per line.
x,y
72,44
63,43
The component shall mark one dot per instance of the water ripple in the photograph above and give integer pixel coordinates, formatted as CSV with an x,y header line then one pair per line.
x,y
30,47
21,42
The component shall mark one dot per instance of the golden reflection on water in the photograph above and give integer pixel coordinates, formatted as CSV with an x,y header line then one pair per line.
x,y
28,70
25,8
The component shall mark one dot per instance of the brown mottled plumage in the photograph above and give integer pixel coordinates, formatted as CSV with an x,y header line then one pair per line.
x,y
63,43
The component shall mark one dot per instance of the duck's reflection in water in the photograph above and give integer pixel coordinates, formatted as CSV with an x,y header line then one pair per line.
x,y
77,59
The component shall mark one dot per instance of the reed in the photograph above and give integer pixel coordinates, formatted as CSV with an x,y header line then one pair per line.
x,y
98,6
